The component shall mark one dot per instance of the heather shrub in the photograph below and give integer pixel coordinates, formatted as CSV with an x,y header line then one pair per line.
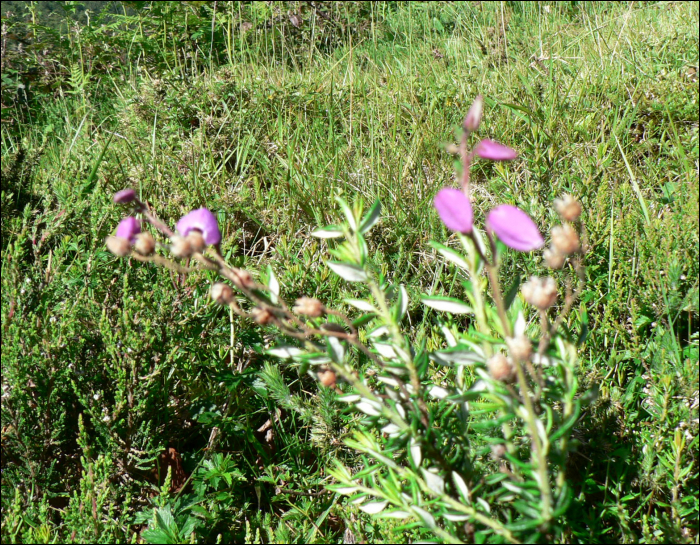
x,y
462,441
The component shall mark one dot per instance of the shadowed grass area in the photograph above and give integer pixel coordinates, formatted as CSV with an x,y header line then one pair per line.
x,y
265,127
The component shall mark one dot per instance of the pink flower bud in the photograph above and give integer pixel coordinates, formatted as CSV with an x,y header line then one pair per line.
x,y
124,196
128,228
473,119
455,210
514,228
488,149
203,221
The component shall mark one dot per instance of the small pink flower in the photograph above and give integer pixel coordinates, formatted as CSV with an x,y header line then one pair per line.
x,y
473,119
124,196
514,228
488,149
455,210
128,228
203,221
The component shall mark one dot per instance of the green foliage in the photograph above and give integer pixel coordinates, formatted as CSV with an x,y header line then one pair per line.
x,y
265,122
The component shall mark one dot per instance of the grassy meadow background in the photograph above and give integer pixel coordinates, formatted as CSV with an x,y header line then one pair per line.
x,y
114,371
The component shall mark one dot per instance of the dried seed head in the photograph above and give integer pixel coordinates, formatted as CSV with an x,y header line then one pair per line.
x,y
262,316
243,278
145,243
180,246
119,246
565,239
568,208
309,306
520,347
327,377
196,240
540,292
221,294
500,368
497,451
554,259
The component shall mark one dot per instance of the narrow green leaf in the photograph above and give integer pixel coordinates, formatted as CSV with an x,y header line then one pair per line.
x,y
351,273
447,304
371,218
331,231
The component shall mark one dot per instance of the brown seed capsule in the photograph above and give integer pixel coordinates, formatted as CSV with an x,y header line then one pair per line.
x,y
180,247
327,377
500,368
497,451
309,306
196,240
119,246
221,293
520,347
145,243
540,292
565,239
262,316
243,279
554,259
568,208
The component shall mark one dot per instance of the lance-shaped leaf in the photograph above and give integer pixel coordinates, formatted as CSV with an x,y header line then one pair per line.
x,y
447,304
371,218
331,231
351,273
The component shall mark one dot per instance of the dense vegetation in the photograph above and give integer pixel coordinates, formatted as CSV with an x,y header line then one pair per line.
x,y
125,389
